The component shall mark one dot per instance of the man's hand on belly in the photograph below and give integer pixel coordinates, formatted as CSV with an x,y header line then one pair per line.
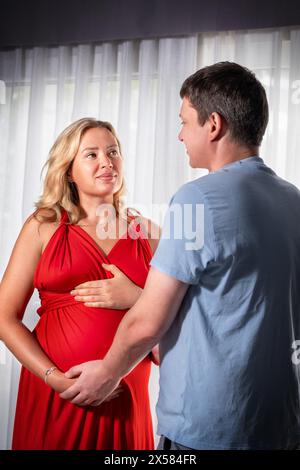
x,y
93,385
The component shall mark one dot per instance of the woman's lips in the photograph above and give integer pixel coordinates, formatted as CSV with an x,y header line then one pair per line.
x,y
106,177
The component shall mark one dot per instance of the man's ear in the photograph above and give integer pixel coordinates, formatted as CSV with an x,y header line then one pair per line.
x,y
217,126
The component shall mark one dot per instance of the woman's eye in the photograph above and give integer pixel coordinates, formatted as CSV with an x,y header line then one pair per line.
x,y
91,156
113,153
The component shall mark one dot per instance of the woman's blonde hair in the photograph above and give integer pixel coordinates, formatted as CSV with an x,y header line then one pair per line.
x,y
58,191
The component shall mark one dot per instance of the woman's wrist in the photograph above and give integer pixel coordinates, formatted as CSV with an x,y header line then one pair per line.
x,y
57,380
48,372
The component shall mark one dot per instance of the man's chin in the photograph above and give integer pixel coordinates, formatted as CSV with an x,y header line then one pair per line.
x,y
197,163
192,163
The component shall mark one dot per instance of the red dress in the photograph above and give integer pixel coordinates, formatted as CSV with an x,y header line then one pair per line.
x,y
71,333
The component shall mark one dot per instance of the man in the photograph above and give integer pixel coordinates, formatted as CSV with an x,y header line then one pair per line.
x,y
226,313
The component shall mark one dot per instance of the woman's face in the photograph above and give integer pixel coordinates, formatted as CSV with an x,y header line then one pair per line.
x,y
97,166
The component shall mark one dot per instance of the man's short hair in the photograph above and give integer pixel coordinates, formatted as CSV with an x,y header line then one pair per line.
x,y
235,93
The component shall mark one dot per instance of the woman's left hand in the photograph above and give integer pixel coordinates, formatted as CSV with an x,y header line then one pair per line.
x,y
118,292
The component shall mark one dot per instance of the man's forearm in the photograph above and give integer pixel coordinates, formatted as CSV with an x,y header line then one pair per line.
x,y
145,323
133,341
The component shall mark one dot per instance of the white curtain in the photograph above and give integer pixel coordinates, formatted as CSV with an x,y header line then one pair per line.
x,y
135,85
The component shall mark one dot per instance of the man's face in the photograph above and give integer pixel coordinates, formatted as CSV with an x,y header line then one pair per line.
x,y
193,135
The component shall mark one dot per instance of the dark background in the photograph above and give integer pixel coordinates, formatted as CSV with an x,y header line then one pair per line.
x,y
53,22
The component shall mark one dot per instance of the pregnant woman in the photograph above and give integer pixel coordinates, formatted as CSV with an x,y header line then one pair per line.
x,y
60,247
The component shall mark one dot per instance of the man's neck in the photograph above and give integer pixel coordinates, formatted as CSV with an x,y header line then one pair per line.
x,y
233,155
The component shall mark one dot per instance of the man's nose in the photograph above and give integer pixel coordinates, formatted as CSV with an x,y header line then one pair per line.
x,y
180,136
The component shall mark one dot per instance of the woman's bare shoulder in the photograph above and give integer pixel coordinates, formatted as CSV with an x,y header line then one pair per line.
x,y
41,230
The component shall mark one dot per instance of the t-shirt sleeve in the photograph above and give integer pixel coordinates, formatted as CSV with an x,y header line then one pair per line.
x,y
181,252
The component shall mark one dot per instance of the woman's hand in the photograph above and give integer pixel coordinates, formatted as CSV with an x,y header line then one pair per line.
x,y
118,292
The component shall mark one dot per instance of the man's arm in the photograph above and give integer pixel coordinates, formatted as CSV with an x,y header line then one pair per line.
x,y
141,328
147,322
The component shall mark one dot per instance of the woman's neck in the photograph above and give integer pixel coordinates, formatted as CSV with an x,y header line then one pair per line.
x,y
96,208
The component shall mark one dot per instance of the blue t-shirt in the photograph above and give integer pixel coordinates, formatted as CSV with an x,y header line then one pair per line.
x,y
227,379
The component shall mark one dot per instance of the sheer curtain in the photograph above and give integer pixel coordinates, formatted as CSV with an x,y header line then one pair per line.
x,y
135,85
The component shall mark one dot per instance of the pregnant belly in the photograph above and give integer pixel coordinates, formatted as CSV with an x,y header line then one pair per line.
x,y
75,334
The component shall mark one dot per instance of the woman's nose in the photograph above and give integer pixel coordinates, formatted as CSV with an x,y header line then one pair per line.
x,y
105,162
